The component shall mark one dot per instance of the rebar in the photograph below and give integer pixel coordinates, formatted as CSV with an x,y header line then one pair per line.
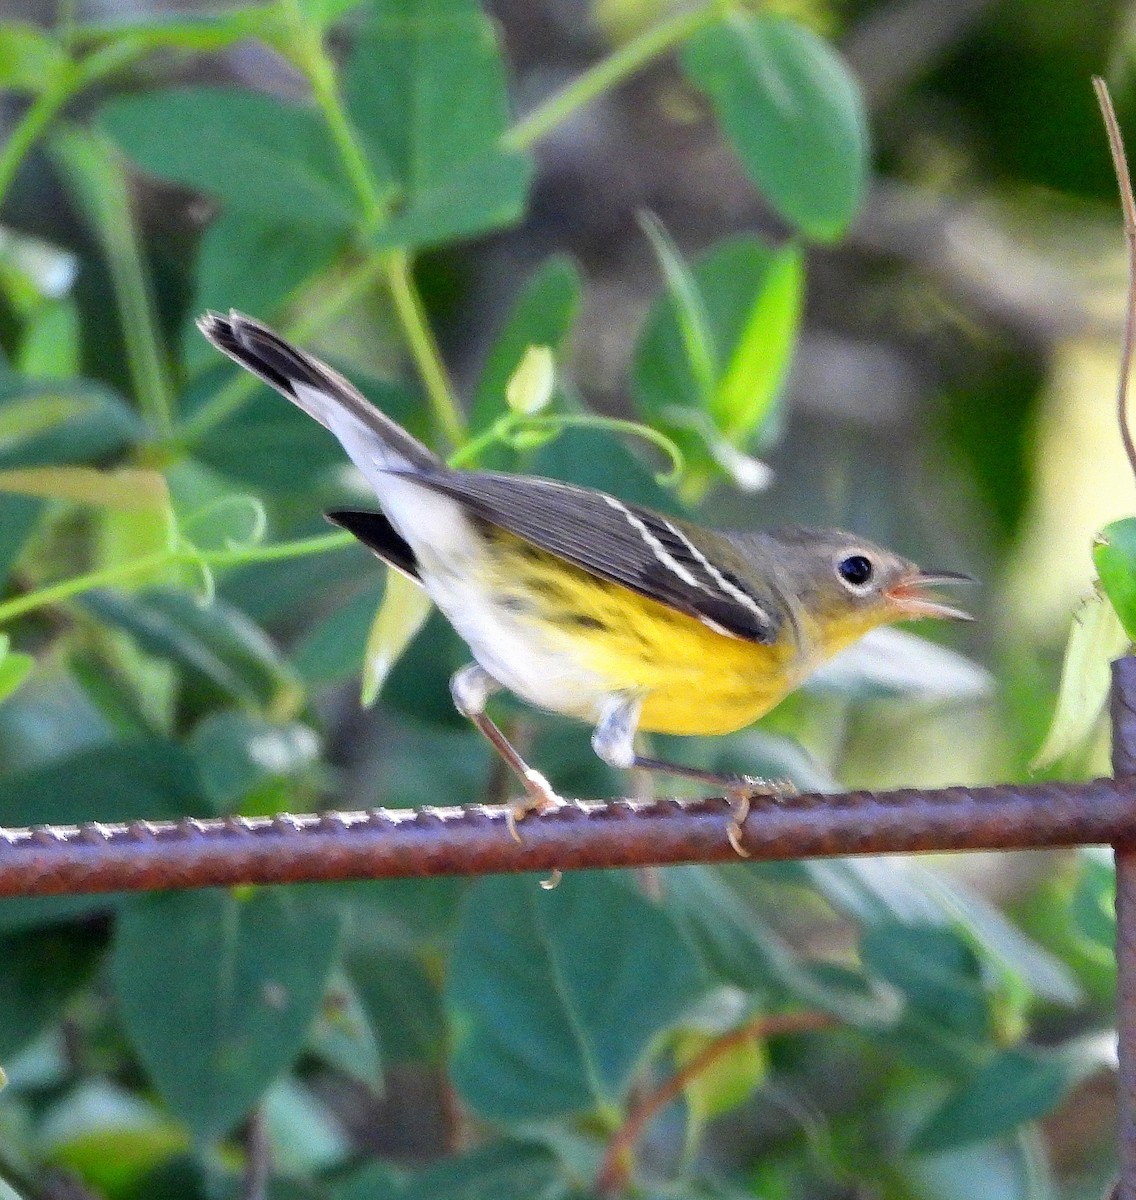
x,y
1123,712
378,843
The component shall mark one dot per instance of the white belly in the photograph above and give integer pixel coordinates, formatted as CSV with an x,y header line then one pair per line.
x,y
522,659
453,569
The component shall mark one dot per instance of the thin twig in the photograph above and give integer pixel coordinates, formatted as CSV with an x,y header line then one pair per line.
x,y
1128,204
615,1170
258,1158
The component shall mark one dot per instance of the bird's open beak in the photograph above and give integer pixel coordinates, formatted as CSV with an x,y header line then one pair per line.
x,y
913,597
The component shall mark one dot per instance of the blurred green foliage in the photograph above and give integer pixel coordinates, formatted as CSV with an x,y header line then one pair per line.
x,y
183,637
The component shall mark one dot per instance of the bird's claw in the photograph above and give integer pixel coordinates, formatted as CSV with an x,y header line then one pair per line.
x,y
739,796
539,797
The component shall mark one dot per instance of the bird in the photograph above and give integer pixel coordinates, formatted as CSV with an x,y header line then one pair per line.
x,y
589,606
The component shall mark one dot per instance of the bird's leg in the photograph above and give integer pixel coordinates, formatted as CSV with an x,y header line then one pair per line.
x,y
471,688
614,742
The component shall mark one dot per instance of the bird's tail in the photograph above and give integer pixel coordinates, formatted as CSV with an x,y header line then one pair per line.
x,y
372,439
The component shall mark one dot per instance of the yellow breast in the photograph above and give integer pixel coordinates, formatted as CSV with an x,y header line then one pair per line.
x,y
693,679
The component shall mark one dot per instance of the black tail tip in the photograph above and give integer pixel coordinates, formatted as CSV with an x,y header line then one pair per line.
x,y
222,328
218,329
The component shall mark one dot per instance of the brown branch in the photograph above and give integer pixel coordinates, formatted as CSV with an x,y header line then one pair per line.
x,y
1128,204
258,1158
383,843
615,1170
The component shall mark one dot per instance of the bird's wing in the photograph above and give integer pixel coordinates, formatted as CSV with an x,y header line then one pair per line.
x,y
640,549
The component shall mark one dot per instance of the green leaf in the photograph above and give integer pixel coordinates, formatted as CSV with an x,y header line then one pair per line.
x,y
404,917
123,488
1013,1087
530,386
253,152
96,176
739,946
305,1134
237,753
250,262
426,92
42,970
14,668
252,973
542,315
478,196
34,272
688,307
221,651
1018,959
793,113
50,347
1093,905
45,422
19,516
754,373
947,1021
108,1136
402,1005
1012,1167
556,996
126,781
1095,639
1114,554
506,1171
326,12
30,60
332,650
714,352
343,1036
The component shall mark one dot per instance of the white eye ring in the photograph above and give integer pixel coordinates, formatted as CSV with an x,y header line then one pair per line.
x,y
856,571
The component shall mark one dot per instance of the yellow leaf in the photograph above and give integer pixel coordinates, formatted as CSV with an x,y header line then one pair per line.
x,y
21,419
125,488
402,613
1096,638
725,1083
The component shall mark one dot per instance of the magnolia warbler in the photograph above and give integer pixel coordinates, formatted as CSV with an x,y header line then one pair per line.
x,y
585,605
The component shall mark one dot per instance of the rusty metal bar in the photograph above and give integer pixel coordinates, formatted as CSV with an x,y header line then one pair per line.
x,y
451,841
1123,705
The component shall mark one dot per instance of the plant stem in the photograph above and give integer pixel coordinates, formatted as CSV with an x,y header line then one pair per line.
x,y
1128,205
395,266
78,584
237,556
320,71
48,103
423,347
408,307
35,120
615,1170
94,168
608,73
240,556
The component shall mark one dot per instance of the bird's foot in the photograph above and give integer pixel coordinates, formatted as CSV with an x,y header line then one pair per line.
x,y
740,794
539,797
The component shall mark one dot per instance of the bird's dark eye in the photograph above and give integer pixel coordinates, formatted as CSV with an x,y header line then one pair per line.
x,y
855,569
